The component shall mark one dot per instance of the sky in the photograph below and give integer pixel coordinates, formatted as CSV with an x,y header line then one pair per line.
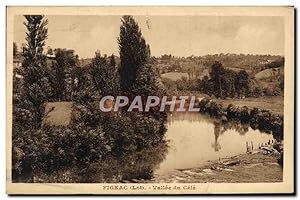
x,y
176,35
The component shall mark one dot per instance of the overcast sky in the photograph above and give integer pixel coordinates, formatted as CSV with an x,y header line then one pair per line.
x,y
179,36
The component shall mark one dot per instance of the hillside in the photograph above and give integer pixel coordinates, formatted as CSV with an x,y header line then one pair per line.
x,y
269,73
174,76
196,64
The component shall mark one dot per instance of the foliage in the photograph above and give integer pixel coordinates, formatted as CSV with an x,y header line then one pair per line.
x,y
50,51
71,153
263,120
137,72
60,74
147,82
15,49
221,82
249,62
281,84
51,148
279,62
98,165
105,75
35,86
225,83
242,83
185,84
134,52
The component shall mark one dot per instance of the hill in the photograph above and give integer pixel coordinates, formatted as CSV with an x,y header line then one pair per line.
x,y
174,76
269,73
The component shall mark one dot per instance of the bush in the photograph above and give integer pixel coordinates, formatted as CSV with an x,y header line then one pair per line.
x,y
203,103
127,135
232,111
245,114
52,148
280,159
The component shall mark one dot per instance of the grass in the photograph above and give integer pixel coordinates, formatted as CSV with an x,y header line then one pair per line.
x,y
60,114
267,73
174,76
275,104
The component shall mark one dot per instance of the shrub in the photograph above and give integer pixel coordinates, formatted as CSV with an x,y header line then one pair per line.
x,y
52,148
232,111
203,104
245,115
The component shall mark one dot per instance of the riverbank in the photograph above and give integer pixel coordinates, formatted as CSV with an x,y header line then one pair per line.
x,y
273,104
261,119
244,168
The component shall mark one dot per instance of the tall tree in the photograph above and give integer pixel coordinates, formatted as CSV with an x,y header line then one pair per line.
x,y
216,74
35,85
61,73
15,49
147,83
112,61
242,82
105,75
134,52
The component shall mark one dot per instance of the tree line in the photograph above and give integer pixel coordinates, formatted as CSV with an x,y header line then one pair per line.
x,y
45,153
225,83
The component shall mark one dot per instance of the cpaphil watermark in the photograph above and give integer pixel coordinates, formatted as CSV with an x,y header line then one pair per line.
x,y
174,103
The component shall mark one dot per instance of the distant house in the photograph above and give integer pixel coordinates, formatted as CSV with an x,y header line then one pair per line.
x,y
264,62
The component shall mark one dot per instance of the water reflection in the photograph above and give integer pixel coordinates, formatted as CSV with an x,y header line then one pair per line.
x,y
131,167
196,138
217,131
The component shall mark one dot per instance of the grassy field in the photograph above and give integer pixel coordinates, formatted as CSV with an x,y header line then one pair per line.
x,y
59,113
273,104
267,73
174,76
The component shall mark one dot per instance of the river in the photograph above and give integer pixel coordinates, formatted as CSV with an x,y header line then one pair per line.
x,y
194,139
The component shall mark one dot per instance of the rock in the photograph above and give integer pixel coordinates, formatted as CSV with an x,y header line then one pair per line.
x,y
256,151
191,173
208,171
228,170
213,168
251,165
268,149
231,162
265,152
179,178
276,153
278,147
125,181
272,163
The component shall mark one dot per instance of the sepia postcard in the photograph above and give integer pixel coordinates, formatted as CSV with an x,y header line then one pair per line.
x,y
150,100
